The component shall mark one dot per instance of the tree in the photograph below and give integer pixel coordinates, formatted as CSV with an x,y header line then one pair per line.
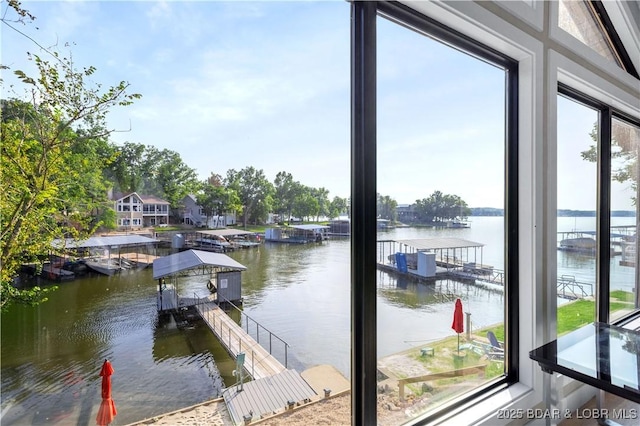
x,y
625,141
387,207
148,170
321,196
440,207
338,206
215,200
285,192
52,164
255,193
306,205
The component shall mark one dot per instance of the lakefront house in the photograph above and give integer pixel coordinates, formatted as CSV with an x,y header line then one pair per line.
x,y
194,214
134,211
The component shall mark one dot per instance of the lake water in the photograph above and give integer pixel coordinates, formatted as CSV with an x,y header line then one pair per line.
x,y
52,353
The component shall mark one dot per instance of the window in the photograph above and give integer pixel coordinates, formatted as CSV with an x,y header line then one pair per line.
x,y
624,289
577,153
605,154
441,136
579,19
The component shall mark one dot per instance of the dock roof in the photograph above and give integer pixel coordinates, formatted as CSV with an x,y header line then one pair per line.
x,y
226,232
110,241
191,259
310,227
439,243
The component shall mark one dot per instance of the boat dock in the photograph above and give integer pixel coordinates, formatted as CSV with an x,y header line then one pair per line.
x,y
274,388
259,363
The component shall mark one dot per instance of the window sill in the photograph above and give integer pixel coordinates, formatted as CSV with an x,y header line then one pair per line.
x,y
485,411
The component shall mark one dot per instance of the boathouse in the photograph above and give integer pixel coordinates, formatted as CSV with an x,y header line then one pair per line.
x,y
432,257
222,272
297,234
107,255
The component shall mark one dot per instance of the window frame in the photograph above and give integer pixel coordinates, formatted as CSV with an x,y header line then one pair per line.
x,y
363,197
606,115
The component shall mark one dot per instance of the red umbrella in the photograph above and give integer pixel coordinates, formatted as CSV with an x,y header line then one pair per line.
x,y
458,320
107,411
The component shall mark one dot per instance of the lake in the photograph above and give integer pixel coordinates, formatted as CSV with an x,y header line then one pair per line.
x,y
52,353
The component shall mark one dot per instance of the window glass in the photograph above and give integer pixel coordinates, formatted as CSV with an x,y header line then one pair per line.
x,y
441,250
578,19
624,225
577,151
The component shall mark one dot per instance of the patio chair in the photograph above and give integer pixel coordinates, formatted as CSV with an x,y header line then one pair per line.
x,y
497,351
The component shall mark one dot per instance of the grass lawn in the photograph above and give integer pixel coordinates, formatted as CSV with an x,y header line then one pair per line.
x,y
575,314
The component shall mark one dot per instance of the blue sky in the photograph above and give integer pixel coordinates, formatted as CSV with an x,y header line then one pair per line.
x,y
267,84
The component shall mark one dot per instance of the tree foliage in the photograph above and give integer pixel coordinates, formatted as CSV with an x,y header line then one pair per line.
x,y
217,199
255,193
148,170
624,154
54,147
339,206
387,207
439,207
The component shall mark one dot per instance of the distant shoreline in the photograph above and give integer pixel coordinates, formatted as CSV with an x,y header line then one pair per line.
x,y
490,211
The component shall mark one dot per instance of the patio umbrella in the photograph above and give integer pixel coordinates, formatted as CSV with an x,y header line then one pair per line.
x,y
107,411
458,321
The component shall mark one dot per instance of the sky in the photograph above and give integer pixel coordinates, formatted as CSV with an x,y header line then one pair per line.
x,y
267,84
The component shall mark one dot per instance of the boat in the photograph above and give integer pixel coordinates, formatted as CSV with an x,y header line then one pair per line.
x,y
103,266
582,242
578,244
457,224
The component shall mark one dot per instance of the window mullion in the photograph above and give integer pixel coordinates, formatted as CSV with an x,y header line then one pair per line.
x,y
603,264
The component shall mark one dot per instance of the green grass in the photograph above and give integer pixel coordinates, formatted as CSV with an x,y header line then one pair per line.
x,y
575,314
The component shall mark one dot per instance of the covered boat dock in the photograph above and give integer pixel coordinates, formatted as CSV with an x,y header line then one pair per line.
x,y
107,254
222,272
297,234
450,255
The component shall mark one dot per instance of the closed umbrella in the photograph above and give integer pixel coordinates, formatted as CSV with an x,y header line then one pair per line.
x,y
107,411
458,321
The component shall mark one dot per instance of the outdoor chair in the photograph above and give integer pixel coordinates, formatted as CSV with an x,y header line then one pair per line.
x,y
497,350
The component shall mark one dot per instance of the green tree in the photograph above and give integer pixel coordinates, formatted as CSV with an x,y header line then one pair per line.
x,y
439,207
285,192
255,193
306,205
321,196
338,206
216,199
148,170
387,207
624,154
52,164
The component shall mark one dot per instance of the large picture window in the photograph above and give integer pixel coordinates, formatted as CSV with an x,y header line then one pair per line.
x,y
443,147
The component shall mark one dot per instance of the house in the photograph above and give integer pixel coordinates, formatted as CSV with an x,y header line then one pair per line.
x,y
134,211
193,214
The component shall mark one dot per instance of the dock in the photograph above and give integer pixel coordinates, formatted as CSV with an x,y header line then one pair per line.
x,y
259,363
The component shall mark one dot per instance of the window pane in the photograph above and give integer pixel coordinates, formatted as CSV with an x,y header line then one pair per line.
x,y
440,171
576,201
577,18
624,205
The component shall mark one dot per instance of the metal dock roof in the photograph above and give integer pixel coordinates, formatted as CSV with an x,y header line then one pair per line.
x,y
439,243
225,232
191,259
309,227
267,396
111,241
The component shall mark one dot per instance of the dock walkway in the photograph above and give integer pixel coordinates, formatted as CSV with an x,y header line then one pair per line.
x,y
258,362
